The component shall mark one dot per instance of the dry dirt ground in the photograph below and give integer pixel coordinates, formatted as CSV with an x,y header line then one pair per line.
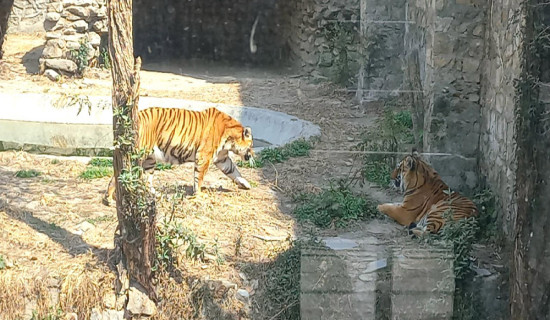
x,y
57,237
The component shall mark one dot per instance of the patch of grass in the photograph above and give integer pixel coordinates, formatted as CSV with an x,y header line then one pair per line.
x,y
163,166
394,129
27,173
97,220
336,205
101,162
2,262
297,148
52,315
170,237
96,172
98,168
55,161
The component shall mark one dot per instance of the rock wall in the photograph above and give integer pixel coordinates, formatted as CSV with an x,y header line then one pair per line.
x,y
503,51
530,276
383,28
27,16
447,39
71,24
324,38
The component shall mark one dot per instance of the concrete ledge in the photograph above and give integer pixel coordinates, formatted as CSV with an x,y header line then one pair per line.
x,y
50,123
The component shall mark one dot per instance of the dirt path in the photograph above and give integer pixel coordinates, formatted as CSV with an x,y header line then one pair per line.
x,y
55,224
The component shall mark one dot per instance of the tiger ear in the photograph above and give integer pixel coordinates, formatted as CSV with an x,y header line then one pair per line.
x,y
415,152
411,163
247,132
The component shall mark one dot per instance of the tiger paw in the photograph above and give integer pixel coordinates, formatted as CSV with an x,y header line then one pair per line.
x,y
241,182
106,201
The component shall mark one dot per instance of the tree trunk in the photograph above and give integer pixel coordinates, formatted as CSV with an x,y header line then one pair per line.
x,y
136,211
5,10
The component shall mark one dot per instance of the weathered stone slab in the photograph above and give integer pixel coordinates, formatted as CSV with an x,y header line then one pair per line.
x,y
423,284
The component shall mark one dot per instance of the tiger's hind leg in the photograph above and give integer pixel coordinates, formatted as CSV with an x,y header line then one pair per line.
x,y
149,168
110,194
397,213
230,170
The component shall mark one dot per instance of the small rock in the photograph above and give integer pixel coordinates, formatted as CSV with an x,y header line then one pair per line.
x,y
94,39
79,11
69,31
242,295
71,316
80,25
53,35
52,16
139,303
482,272
52,52
71,45
61,65
350,139
85,226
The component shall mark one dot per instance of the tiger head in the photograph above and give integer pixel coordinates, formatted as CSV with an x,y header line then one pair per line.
x,y
406,171
241,143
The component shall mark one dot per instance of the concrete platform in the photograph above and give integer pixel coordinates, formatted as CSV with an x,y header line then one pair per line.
x,y
50,124
370,275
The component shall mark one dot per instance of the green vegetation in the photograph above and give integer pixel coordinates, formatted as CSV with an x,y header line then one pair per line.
x,y
98,168
170,237
80,55
163,166
97,220
2,262
101,162
104,59
52,315
394,131
336,205
27,173
297,148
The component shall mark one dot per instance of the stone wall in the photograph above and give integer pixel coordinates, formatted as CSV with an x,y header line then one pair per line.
x,y
27,16
447,39
383,29
71,24
497,144
324,38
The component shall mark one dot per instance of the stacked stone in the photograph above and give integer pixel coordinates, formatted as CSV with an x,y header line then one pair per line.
x,y
69,24
308,43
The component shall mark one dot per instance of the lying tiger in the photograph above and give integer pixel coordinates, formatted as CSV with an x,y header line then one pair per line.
x,y
427,198
176,136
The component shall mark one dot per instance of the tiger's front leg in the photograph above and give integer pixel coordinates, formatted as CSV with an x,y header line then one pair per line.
x,y
397,213
230,169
